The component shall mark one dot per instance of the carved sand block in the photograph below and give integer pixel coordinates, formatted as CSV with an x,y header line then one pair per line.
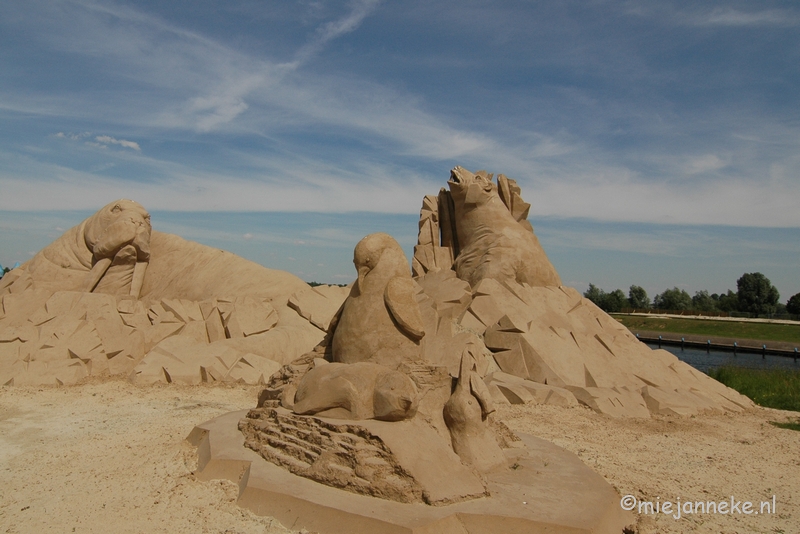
x,y
543,492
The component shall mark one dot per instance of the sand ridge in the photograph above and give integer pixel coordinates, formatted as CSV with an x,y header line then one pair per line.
x,y
109,456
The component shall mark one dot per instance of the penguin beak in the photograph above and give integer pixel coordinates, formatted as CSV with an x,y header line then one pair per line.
x,y
362,272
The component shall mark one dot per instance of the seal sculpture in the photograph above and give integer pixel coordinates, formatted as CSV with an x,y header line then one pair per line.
x,y
465,414
106,253
380,320
492,243
356,391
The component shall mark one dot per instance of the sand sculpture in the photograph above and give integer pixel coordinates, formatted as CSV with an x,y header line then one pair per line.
x,y
113,296
378,411
419,364
385,389
106,253
548,343
489,241
380,321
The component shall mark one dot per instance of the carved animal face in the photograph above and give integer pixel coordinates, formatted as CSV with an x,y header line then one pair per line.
x,y
117,225
374,248
469,188
395,397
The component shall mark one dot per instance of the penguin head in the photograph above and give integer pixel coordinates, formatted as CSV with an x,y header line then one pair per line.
x,y
369,251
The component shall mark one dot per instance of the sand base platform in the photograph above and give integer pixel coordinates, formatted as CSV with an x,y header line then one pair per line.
x,y
549,491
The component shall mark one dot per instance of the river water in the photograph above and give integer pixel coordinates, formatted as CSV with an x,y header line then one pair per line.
x,y
703,361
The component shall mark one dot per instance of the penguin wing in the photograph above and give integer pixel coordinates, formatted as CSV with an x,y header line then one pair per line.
x,y
402,304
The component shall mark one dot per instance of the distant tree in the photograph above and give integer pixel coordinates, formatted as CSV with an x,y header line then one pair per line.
x,y
315,284
595,294
702,301
637,298
756,294
608,302
614,302
673,299
793,304
726,302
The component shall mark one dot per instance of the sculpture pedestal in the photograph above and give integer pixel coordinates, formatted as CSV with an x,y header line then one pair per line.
x,y
550,490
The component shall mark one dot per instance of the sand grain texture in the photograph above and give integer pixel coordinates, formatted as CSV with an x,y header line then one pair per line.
x,y
108,456
700,458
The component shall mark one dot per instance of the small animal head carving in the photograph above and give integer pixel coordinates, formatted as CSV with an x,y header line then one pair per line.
x,y
395,397
469,188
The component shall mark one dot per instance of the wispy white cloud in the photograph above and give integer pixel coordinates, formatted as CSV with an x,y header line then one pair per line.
x,y
100,141
756,14
705,163
108,140
331,30
735,17
73,136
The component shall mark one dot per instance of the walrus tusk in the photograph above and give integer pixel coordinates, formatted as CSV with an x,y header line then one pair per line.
x,y
97,273
138,278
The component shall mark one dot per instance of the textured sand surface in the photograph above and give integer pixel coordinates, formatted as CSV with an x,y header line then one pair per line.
x,y
107,456
702,458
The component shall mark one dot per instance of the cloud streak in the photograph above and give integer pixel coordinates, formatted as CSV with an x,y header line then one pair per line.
x,y
334,29
108,140
737,18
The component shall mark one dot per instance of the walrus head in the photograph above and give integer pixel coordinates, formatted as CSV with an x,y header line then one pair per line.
x,y
469,188
121,230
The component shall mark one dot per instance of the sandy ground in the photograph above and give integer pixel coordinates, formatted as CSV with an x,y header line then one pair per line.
x,y
107,456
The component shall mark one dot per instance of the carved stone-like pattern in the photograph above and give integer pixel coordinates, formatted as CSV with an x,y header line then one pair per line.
x,y
344,456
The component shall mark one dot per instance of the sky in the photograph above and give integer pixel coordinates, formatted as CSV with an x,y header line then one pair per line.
x,y
658,142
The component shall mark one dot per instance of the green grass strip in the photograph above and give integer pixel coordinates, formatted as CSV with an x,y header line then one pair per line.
x,y
773,388
741,330
790,426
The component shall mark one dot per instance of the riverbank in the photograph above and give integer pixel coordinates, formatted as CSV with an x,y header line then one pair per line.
x,y
782,336
727,344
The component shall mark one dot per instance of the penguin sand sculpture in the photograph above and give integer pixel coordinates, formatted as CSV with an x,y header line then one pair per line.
x,y
380,321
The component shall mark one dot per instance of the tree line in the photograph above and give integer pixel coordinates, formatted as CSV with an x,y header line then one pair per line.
x,y
755,295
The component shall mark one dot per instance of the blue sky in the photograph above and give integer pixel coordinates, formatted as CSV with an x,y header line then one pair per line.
x,y
658,142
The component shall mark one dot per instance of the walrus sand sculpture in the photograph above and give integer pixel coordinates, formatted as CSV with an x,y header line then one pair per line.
x,y
380,321
113,296
106,253
492,244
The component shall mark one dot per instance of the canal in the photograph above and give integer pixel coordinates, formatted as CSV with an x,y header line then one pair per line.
x,y
703,361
